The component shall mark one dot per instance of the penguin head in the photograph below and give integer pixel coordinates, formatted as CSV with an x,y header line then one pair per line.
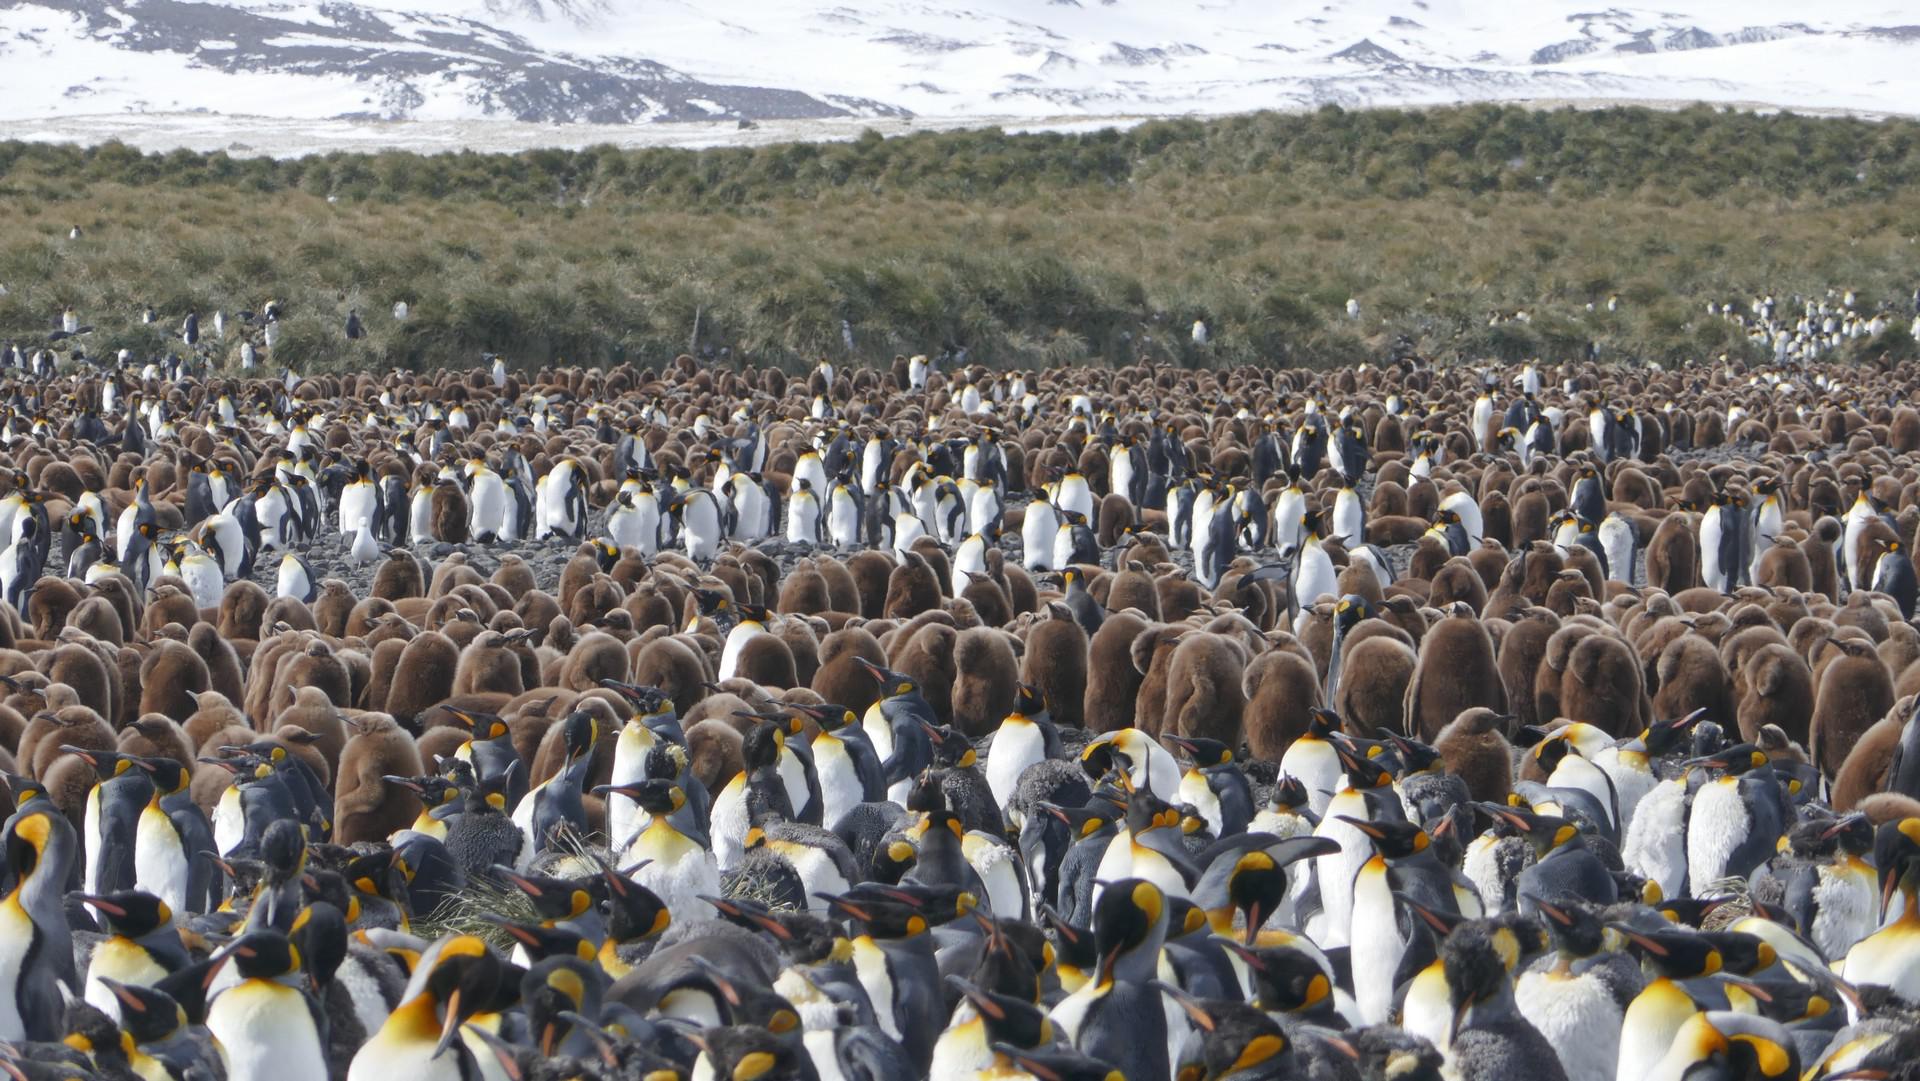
x,y
1675,953
1544,832
129,913
148,1014
751,1053
580,731
829,716
1722,1043
1130,914
1205,753
169,776
556,898
1733,760
634,912
1392,840
892,684
1234,1036
259,955
1574,925
106,764
1007,1019
655,796
463,977
545,943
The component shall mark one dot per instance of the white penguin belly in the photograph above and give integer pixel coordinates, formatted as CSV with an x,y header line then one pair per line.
x,y
1015,747
267,1034
1655,846
1579,1018
159,861
1717,826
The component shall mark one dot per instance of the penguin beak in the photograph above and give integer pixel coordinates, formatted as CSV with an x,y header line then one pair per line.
x,y
509,1060
450,1026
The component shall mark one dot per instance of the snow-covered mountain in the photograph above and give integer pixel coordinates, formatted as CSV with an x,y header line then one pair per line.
x,y
1028,62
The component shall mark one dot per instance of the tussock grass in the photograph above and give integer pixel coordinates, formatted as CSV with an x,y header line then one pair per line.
x,y
1029,250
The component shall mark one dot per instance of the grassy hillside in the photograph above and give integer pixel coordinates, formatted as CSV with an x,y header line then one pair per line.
x,y
1024,249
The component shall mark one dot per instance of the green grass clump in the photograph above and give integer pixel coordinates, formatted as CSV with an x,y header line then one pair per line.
x,y
1025,249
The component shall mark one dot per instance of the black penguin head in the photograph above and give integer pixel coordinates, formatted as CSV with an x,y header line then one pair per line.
x,y
1478,957
634,912
260,955
760,749
829,716
1234,1036
543,943
1129,914
751,1053
655,796
1349,611
1575,926
1205,753
1722,1043
148,1014
1007,1019
711,601
892,684
1734,760
129,913
556,898
1677,953
1030,701
1286,979
283,848
1393,840
580,731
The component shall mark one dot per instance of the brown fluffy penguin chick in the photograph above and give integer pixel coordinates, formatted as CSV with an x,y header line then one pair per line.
x,y
595,657
312,711
1205,696
912,588
1282,688
1672,555
1113,683
985,678
1867,766
840,677
170,670
768,660
1779,692
1152,653
872,575
1855,692
927,655
213,713
424,677
1474,748
1055,660
1690,676
673,665
365,807
399,577
1456,672
1373,682
1603,686
449,512
1134,588
1822,566
157,736
1522,649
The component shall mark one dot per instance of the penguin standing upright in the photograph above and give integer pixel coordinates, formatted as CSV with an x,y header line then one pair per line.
x,y
897,726
36,942
1118,1016
112,819
1893,575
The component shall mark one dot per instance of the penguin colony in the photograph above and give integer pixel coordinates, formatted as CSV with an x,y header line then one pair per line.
x,y
1399,722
